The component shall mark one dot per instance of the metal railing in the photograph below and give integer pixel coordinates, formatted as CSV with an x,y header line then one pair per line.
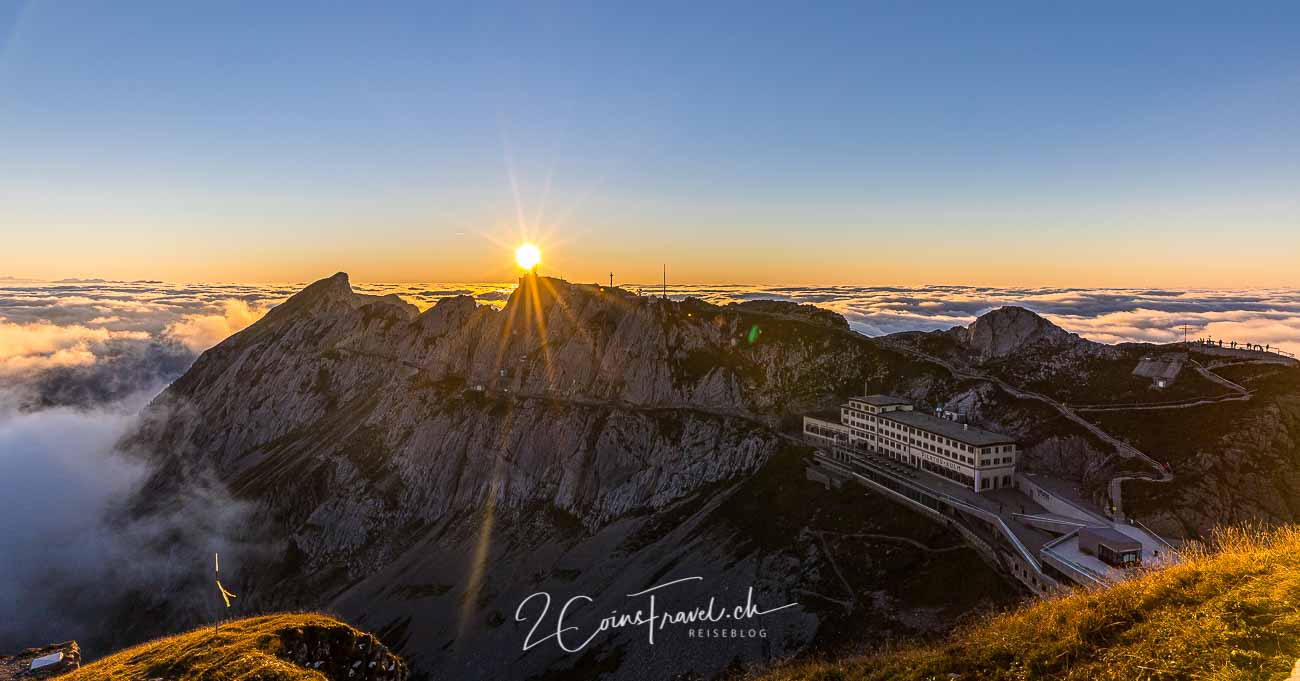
x,y
988,516
1082,570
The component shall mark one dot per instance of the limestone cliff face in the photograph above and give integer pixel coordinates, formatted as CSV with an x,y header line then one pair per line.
x,y
423,472
589,398
1008,330
1016,343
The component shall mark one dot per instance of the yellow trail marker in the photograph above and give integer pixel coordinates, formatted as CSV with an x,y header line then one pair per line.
x,y
226,595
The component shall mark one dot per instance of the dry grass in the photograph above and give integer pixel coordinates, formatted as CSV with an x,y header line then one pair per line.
x,y
1228,611
245,649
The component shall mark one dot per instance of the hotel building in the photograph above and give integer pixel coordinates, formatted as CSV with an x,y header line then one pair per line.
x,y
889,426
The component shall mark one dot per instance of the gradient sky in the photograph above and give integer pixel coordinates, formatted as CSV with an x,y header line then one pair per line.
x,y
1096,144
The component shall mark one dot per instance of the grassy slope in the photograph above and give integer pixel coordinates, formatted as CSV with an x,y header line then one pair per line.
x,y
245,649
1226,613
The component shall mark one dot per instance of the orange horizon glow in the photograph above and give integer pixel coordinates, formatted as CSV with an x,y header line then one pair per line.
x,y
902,257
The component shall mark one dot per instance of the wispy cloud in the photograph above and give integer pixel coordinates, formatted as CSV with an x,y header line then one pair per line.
x,y
200,331
27,349
1270,316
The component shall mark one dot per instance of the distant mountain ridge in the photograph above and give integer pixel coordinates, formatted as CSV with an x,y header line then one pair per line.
x,y
1008,330
422,472
582,439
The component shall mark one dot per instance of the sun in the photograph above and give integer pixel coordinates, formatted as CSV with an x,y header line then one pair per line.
x,y
527,256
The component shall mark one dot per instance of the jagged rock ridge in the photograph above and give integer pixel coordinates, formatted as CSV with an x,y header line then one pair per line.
x,y
421,472
402,464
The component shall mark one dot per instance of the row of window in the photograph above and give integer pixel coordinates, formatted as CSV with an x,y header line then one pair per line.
x,y
955,476
813,428
970,461
922,438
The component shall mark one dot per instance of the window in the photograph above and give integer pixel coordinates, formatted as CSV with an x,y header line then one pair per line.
x,y
984,484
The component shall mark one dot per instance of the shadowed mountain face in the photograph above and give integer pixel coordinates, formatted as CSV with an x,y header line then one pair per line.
x,y
422,474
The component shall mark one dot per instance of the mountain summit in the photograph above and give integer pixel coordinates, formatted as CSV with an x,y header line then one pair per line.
x,y
1008,330
423,472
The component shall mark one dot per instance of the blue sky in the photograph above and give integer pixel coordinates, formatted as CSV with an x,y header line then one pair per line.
x,y
1098,144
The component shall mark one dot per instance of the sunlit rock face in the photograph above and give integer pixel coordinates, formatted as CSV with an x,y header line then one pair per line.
x,y
423,473
603,402
1008,330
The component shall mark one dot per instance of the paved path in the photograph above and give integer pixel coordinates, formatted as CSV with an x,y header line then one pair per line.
x,y
848,588
1239,394
1176,405
1124,449
1220,380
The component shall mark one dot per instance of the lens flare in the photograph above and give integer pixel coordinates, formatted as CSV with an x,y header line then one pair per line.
x,y
527,256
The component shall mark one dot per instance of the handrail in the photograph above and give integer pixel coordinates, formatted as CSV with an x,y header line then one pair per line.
x,y
970,508
1152,532
1081,569
1061,520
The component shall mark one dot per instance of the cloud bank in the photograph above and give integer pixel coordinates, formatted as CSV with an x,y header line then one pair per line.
x,y
90,342
1262,316
78,359
71,560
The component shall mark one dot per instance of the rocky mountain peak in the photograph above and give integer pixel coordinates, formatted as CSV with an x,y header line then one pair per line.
x,y
318,296
1007,330
333,287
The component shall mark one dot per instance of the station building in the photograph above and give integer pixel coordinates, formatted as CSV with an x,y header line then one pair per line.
x,y
889,426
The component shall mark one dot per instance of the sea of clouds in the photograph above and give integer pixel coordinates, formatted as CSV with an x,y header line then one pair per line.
x,y
93,343
78,359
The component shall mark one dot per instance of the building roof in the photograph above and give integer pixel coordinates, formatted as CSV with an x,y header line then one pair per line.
x,y
880,400
1109,536
949,429
1167,367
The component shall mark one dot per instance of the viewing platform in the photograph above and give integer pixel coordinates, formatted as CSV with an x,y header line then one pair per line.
x,y
1038,529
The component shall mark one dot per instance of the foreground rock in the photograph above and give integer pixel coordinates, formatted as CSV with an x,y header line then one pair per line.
x,y
41,663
